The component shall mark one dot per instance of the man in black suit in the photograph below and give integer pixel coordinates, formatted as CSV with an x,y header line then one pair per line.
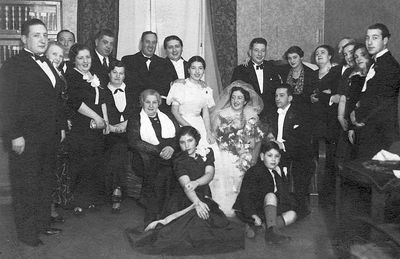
x,y
378,103
145,70
101,55
173,46
292,134
32,108
261,74
66,38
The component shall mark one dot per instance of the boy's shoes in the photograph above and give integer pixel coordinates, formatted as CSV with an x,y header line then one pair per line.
x,y
250,232
273,238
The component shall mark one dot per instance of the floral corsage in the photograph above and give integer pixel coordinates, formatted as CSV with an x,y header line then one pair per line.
x,y
203,152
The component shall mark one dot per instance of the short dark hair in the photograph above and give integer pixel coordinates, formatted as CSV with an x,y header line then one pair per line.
x,y
288,88
73,52
294,49
383,28
245,93
331,51
59,34
268,145
188,130
258,41
148,32
116,63
196,59
172,37
104,32
360,46
25,26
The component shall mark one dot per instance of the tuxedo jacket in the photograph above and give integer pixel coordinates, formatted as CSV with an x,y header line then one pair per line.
x,y
30,106
379,101
99,70
172,70
296,133
139,78
271,80
257,182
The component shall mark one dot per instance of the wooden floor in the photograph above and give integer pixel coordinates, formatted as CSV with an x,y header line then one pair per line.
x,y
100,235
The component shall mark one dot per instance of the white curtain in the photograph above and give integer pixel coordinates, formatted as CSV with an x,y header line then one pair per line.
x,y
186,19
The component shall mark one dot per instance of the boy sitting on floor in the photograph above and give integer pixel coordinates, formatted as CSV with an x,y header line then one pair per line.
x,y
264,196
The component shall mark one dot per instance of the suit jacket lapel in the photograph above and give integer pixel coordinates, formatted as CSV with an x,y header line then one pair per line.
x,y
288,121
35,66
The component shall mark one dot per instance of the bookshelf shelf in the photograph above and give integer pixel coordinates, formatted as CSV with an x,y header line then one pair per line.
x,y
12,15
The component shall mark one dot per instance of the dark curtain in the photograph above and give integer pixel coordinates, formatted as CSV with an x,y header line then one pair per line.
x,y
223,22
94,15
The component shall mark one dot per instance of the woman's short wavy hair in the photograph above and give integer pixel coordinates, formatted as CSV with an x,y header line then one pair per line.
x,y
74,50
147,92
188,130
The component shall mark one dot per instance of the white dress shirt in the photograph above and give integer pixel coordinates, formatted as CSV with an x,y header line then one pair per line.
x,y
281,120
102,57
179,68
119,98
371,71
260,77
46,68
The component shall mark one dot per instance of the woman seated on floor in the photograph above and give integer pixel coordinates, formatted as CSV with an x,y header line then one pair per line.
x,y
193,224
151,133
264,196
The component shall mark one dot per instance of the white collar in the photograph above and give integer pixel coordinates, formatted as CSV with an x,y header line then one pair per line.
x,y
284,111
27,50
113,88
101,57
381,53
178,61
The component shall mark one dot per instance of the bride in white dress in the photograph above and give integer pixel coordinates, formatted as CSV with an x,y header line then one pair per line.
x,y
235,125
191,101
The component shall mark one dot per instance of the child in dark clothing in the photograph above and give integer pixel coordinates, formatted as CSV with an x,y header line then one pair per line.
x,y
264,196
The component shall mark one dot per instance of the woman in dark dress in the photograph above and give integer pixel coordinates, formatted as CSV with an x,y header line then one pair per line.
x,y
87,97
324,109
300,77
193,224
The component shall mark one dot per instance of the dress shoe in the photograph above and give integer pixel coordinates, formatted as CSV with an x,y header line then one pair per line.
x,y
51,231
273,238
58,219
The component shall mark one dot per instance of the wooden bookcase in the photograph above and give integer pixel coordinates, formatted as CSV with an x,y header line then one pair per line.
x,y
14,12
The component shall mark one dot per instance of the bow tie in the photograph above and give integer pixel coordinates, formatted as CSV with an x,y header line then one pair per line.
x,y
281,111
146,58
41,58
260,67
118,90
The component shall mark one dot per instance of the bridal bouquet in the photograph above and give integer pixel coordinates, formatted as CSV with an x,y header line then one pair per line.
x,y
239,141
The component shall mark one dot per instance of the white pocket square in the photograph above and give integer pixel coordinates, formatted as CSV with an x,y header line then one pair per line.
x,y
295,126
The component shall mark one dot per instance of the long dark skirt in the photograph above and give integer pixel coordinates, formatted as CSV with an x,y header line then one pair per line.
x,y
189,234
62,194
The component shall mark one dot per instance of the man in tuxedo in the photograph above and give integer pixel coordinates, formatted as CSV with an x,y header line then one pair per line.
x,y
292,134
146,70
33,119
66,38
377,113
101,55
173,46
261,74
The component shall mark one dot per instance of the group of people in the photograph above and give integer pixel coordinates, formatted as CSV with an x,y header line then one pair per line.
x,y
78,119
